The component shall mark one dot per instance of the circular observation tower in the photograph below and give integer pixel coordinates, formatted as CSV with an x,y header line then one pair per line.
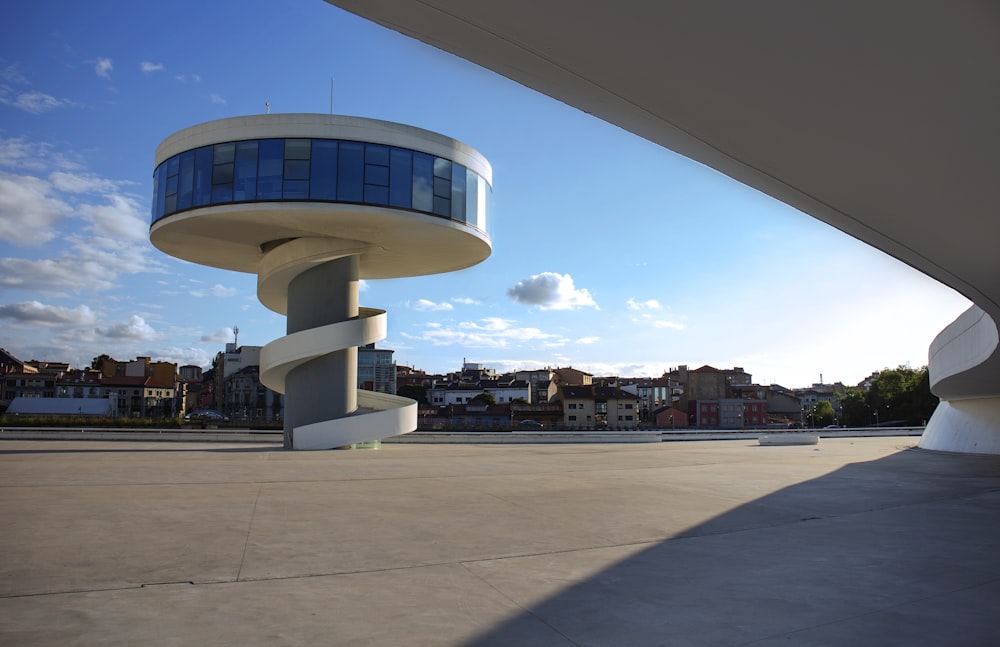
x,y
311,204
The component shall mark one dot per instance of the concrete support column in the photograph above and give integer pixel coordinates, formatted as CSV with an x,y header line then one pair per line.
x,y
324,388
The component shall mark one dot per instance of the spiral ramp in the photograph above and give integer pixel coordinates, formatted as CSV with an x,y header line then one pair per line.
x,y
373,416
312,204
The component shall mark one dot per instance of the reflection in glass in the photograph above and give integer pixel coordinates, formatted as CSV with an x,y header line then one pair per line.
x,y
350,172
270,163
318,169
423,182
245,175
323,177
400,178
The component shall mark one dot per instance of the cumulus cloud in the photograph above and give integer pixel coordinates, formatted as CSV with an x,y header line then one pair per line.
x,y
103,68
465,301
149,67
38,313
121,217
650,304
81,182
135,329
426,304
28,211
551,291
217,290
490,332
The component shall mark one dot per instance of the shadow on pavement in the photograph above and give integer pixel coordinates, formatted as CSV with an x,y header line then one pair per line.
x,y
904,550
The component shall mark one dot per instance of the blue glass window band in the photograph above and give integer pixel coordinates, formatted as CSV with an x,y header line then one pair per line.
x,y
319,170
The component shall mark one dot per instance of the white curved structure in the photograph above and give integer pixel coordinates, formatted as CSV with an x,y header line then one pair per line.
x,y
312,204
879,119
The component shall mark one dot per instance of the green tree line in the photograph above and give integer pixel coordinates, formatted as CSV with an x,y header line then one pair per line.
x,y
900,396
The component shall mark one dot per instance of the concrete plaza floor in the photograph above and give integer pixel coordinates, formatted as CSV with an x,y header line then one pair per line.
x,y
851,542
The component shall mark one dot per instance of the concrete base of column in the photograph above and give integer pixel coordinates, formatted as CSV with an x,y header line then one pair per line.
x,y
971,426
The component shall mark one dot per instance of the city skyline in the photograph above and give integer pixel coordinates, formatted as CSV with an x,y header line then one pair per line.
x,y
611,254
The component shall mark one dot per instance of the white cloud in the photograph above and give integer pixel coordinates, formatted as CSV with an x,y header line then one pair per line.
x,y
148,67
39,313
12,74
551,291
647,319
425,304
217,290
220,336
103,68
121,218
490,332
80,182
33,101
650,304
215,98
135,328
588,340
184,78
23,156
28,212
465,301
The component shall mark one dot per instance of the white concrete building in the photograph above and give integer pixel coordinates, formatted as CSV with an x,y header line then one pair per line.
x,y
312,204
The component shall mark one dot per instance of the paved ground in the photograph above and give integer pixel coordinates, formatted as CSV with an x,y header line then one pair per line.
x,y
851,542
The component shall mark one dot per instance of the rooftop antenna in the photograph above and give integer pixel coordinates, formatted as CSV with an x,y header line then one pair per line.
x,y
267,106
236,335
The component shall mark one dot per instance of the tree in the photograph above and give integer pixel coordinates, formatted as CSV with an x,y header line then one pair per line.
x,y
901,396
854,411
414,392
484,398
822,413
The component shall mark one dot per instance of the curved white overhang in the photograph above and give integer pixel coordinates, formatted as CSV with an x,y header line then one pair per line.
x,y
879,119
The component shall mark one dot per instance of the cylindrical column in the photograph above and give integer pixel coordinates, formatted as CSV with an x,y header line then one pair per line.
x,y
324,388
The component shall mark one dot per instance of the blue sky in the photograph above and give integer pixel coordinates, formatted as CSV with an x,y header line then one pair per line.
x,y
610,254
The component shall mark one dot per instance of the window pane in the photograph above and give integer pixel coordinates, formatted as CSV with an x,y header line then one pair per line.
x,y
458,192
159,192
442,206
270,160
185,181
442,167
350,172
222,193
377,154
472,212
442,187
376,175
245,175
171,186
296,169
172,165
224,153
323,178
423,182
401,178
222,174
297,149
376,194
170,203
202,176
296,189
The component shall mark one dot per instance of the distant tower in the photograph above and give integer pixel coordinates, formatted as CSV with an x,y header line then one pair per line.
x,y
312,204
236,335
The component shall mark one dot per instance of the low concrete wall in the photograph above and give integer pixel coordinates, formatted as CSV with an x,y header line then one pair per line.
x,y
431,437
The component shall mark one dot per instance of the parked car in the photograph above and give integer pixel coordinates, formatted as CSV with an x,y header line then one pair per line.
x,y
206,414
530,423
